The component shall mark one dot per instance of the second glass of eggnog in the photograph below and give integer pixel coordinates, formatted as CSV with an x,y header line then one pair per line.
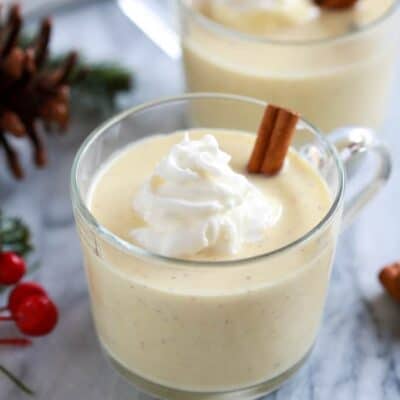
x,y
295,54
234,320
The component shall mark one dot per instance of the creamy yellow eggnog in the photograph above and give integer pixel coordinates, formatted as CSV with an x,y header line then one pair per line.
x,y
296,54
216,325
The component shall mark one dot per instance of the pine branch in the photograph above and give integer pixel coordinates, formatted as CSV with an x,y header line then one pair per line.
x,y
106,77
105,80
14,236
17,381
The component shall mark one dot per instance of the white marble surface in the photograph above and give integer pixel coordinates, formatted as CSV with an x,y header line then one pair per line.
x,y
357,356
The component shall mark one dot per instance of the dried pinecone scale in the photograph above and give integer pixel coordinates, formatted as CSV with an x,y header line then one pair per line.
x,y
32,96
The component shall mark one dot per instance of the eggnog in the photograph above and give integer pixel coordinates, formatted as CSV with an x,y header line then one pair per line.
x,y
296,54
216,325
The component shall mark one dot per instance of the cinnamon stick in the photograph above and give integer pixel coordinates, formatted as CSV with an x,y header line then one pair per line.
x,y
274,136
281,137
390,279
263,139
335,4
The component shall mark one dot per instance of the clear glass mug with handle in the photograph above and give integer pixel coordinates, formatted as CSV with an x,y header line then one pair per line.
x,y
351,73
176,329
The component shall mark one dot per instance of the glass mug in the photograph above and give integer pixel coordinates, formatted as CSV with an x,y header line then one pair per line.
x,y
333,82
174,328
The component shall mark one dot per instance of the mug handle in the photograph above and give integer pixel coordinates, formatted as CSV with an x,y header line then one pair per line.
x,y
353,143
144,16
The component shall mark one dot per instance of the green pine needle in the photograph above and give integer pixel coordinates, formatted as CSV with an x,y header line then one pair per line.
x,y
14,236
17,381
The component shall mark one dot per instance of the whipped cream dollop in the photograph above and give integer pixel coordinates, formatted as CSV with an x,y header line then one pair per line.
x,y
262,16
194,201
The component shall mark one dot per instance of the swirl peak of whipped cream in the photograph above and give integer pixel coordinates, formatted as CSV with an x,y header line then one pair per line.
x,y
257,16
194,201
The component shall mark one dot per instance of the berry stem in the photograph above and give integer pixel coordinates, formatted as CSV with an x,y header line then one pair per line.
x,y
17,381
8,318
23,342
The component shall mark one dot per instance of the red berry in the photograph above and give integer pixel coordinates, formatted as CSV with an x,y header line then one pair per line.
x,y
36,315
12,268
20,292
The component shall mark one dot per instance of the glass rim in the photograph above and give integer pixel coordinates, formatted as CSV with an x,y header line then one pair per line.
x,y
236,34
80,205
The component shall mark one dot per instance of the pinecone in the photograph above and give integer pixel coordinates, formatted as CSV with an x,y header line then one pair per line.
x,y
30,93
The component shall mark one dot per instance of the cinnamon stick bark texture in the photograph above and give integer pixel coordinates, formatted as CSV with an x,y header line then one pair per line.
x,y
274,136
281,137
263,139
335,4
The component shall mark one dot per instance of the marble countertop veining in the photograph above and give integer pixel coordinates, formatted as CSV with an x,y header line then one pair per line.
x,y
357,356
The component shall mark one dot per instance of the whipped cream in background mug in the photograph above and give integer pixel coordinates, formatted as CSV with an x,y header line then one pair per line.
x,y
291,19
262,16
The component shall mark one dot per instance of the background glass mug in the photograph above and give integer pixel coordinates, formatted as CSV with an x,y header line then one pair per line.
x,y
174,328
333,82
